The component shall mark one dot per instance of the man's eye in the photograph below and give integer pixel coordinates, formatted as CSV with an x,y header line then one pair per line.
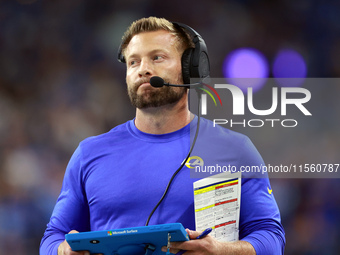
x,y
132,62
157,58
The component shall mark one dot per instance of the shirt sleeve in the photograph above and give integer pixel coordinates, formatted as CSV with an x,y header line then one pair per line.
x,y
260,220
71,211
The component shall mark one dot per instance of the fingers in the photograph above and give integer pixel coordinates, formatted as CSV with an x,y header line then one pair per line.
x,y
177,246
192,245
172,250
66,250
81,253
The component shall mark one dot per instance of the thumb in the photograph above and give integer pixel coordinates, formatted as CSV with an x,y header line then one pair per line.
x,y
80,252
73,232
193,234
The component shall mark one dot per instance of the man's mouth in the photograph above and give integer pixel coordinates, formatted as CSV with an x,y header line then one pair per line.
x,y
143,84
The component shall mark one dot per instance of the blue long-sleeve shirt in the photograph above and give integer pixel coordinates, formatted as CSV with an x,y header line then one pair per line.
x,y
115,179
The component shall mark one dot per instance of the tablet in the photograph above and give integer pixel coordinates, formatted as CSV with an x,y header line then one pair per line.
x,y
128,241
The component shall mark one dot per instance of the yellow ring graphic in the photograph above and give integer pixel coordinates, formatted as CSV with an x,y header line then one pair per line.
x,y
188,164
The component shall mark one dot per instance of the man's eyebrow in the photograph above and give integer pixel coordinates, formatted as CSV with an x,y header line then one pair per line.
x,y
155,51
131,56
158,50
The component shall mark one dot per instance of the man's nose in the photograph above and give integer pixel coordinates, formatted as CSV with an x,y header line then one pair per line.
x,y
145,68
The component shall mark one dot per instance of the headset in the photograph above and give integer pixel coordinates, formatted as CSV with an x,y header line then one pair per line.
x,y
195,61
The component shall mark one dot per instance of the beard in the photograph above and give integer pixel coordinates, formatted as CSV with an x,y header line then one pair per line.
x,y
156,97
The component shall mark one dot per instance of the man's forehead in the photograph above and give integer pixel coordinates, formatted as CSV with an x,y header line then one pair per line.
x,y
159,37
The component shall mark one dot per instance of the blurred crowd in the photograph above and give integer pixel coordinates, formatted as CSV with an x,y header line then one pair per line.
x,y
60,82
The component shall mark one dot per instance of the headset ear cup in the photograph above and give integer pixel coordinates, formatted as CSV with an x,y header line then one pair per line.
x,y
204,65
186,62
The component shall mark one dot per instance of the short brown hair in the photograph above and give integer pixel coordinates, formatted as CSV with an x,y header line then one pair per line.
x,y
154,24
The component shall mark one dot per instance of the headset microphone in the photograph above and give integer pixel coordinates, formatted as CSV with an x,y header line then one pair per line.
x,y
158,82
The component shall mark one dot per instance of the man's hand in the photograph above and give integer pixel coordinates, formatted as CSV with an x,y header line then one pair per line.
x,y
206,245
65,249
209,245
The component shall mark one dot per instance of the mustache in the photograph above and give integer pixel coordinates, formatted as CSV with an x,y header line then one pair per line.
x,y
141,81
146,80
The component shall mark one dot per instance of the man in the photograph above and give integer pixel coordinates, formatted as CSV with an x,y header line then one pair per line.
x,y
114,180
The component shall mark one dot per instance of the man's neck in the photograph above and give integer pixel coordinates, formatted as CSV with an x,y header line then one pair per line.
x,y
165,119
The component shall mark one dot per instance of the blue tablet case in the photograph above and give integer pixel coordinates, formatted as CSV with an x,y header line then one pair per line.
x,y
128,241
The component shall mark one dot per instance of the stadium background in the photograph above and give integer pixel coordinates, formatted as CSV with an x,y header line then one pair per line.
x,y
60,83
